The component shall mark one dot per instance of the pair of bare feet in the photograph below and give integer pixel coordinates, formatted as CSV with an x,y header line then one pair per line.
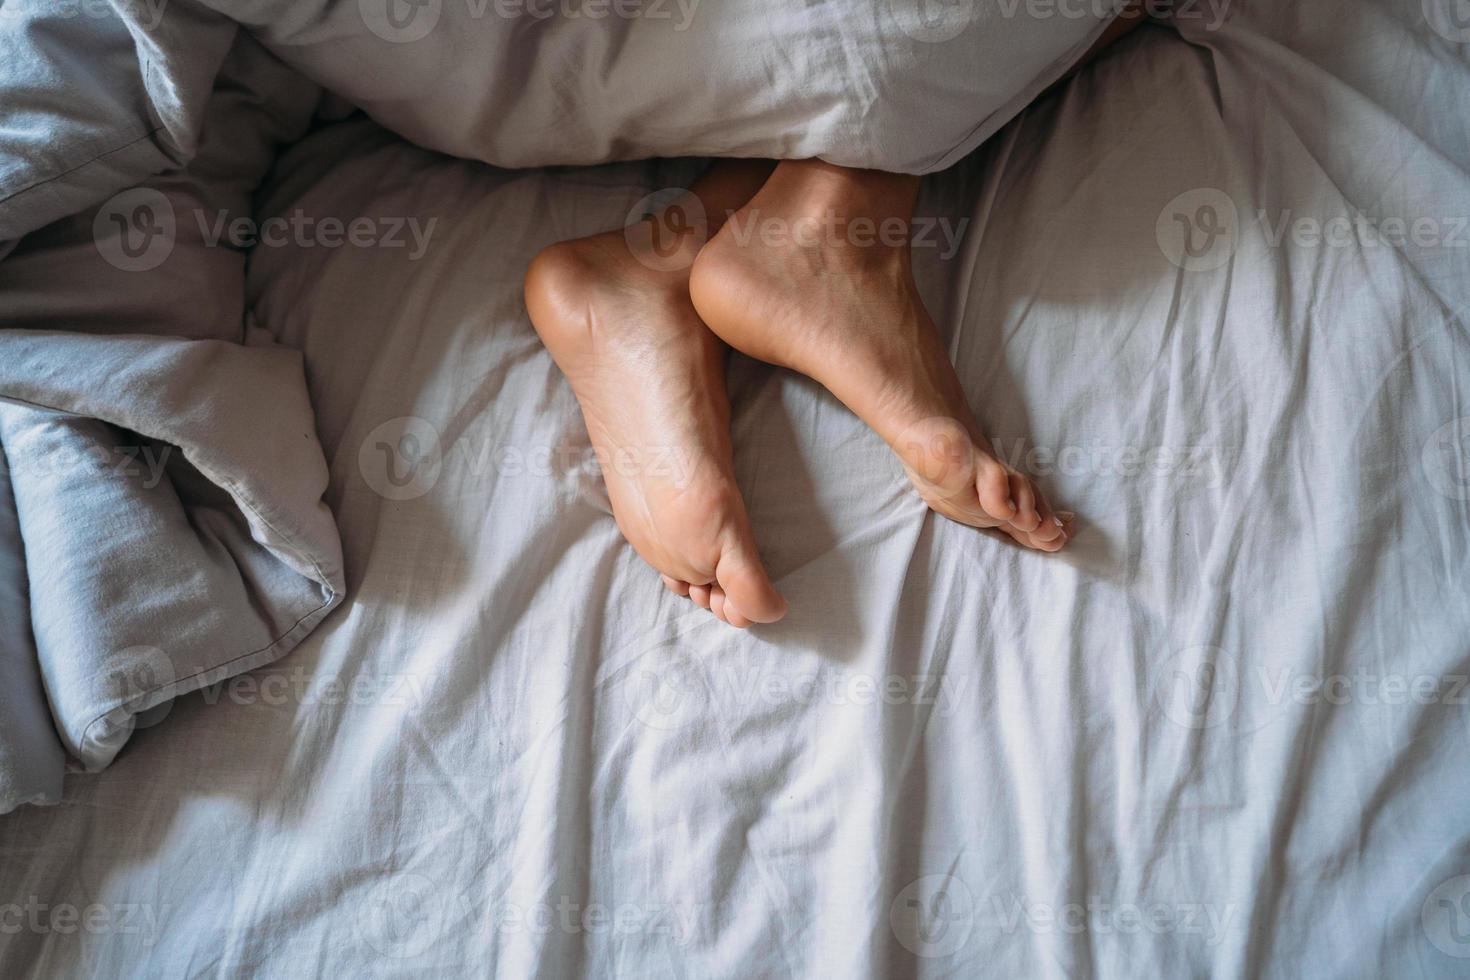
x,y
803,265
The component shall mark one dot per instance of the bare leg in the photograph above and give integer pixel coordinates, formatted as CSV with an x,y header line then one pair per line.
x,y
814,274
614,311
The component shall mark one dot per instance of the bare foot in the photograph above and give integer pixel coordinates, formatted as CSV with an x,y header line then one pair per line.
x,y
651,382
795,279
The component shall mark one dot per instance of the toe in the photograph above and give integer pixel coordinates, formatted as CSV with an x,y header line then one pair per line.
x,y
1026,518
675,585
744,580
1029,540
700,595
1050,527
993,486
717,603
735,617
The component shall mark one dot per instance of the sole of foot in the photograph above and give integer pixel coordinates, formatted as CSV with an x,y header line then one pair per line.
x,y
850,316
650,379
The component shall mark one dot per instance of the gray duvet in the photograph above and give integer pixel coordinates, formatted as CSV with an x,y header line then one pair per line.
x,y
162,519
1214,291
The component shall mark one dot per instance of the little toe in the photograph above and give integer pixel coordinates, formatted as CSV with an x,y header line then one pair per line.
x,y
675,585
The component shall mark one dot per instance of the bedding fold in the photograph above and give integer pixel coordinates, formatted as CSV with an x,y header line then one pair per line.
x,y
168,495
162,526
99,97
31,758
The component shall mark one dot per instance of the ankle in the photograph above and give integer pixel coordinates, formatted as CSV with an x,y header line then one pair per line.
x,y
815,187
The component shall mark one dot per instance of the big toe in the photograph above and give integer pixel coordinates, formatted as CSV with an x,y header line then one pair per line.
x,y
746,585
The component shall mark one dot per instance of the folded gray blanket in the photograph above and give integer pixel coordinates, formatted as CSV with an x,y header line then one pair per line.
x,y
166,500
162,526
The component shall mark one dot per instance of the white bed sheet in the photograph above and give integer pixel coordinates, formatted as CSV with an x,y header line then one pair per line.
x,y
1224,735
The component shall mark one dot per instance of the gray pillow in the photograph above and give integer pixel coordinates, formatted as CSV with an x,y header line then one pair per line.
x,y
899,85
